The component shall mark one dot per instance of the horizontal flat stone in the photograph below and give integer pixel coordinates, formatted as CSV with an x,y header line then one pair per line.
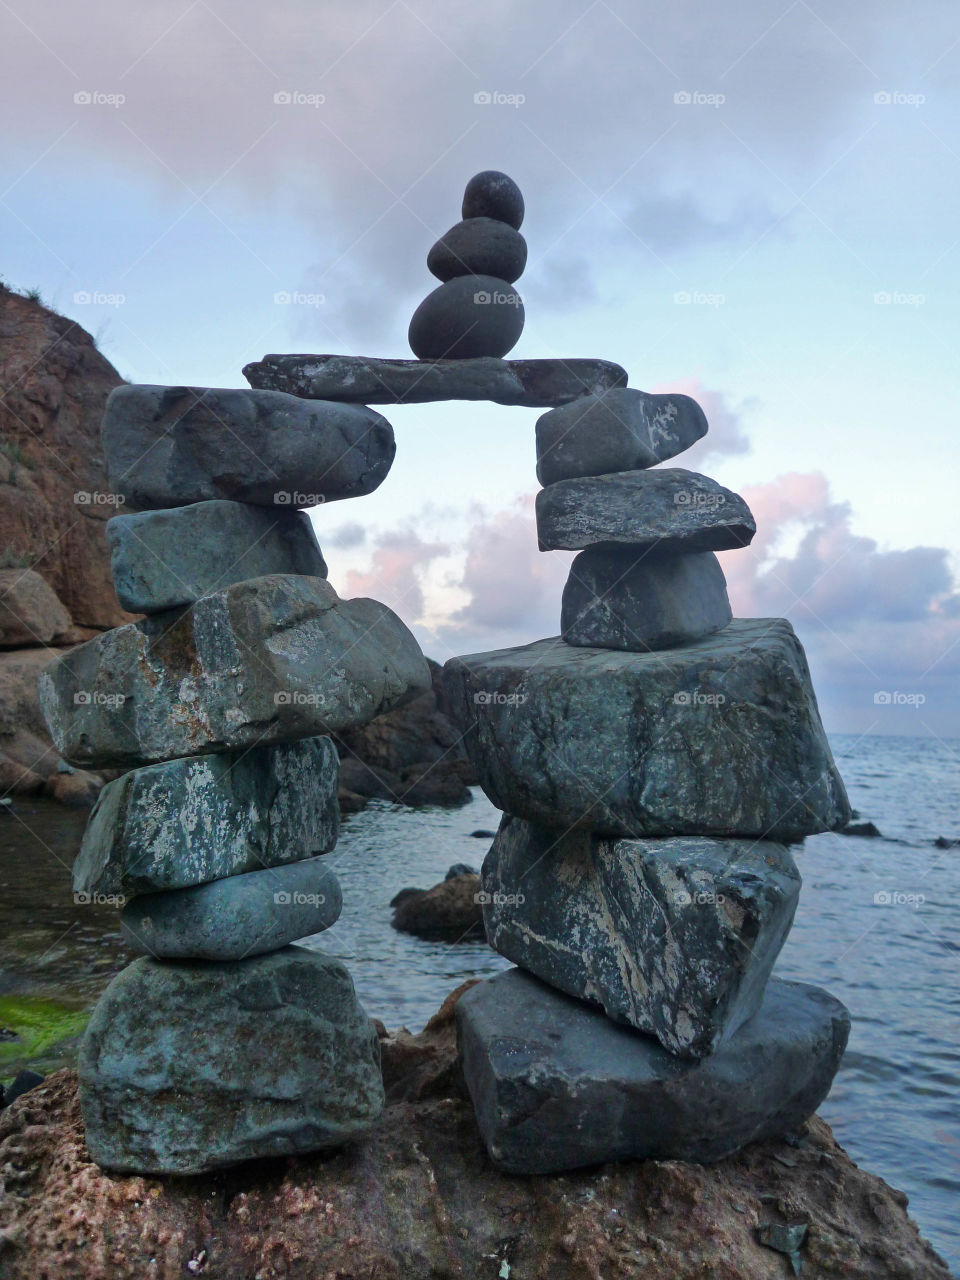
x,y
666,510
479,246
556,1085
163,559
619,599
722,737
466,318
620,430
270,660
233,919
185,822
676,936
367,380
168,446
187,1067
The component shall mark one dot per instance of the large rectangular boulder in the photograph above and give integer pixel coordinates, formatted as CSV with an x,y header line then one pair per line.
x,y
676,937
719,738
189,821
167,446
270,660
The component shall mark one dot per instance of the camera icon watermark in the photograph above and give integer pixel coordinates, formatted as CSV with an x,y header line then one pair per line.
x,y
294,298
88,498
695,98
896,898
96,98
297,698
897,98
485,899
494,98
293,498
296,98
886,698
697,698
95,698
99,899
494,698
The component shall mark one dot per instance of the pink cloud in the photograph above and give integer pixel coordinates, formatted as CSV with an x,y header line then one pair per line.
x,y
399,559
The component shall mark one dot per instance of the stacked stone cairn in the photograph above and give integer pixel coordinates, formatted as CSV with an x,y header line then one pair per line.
x,y
654,764
223,1041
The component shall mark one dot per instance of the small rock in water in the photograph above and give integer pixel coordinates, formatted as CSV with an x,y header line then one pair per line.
x,y
615,599
449,912
467,317
482,835
491,194
942,842
240,916
480,247
460,869
860,829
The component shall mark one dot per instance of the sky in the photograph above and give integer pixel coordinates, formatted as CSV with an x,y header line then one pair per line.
x,y
753,203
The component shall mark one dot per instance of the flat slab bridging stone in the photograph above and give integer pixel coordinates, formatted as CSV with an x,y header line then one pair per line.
x,y
556,1085
619,430
233,919
164,559
168,446
188,821
270,660
720,738
187,1067
619,599
664,510
368,380
674,936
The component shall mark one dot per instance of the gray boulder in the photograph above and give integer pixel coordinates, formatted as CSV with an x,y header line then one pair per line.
x,y
492,194
163,559
168,446
719,738
369,380
556,1085
617,599
479,246
232,919
184,822
467,317
676,937
618,430
187,1067
666,510
269,660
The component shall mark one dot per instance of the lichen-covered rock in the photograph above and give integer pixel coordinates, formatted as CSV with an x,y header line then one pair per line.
x,y
167,446
556,1085
187,821
676,937
188,1067
722,737
269,660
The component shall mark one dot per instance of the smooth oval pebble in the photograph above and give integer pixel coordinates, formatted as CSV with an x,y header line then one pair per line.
x,y
479,247
491,194
467,317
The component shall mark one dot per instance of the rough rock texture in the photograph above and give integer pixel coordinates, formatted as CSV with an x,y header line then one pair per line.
x,y
450,911
667,510
620,430
162,559
479,246
676,937
492,194
26,753
54,494
418,1197
233,919
557,1085
265,661
369,380
619,599
467,317
722,737
184,822
167,446
189,1067
30,612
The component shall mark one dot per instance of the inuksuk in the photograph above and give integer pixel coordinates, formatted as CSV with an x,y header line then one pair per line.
x,y
223,1041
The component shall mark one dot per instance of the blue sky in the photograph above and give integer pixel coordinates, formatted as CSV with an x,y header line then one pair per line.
x,y
804,197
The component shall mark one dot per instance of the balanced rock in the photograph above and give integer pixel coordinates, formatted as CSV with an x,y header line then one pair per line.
x,y
491,194
232,919
722,737
163,559
617,599
616,430
369,380
469,316
556,1085
669,509
676,937
479,246
31,613
168,446
187,1067
269,660
184,822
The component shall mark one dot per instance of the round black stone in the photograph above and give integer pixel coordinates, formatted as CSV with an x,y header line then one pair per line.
x,y
479,247
468,317
492,194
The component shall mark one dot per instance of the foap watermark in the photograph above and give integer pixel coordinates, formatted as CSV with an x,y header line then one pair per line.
x,y
697,698
886,698
297,98
297,698
696,298
293,498
97,98
897,98
486,899
297,899
96,698
94,298
897,298
698,498
493,698
897,898
697,898
99,899
94,498
294,298
697,98
497,298
495,98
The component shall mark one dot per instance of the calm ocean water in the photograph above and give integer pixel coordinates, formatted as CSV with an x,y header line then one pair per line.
x,y
878,925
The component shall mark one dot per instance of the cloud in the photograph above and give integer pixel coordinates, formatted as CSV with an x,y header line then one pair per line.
x,y
346,536
395,576
725,436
